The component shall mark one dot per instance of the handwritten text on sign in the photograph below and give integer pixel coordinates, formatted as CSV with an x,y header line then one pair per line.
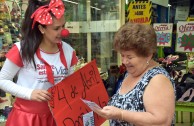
x,y
66,105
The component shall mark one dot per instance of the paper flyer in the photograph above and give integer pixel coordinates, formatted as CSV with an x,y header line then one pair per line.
x,y
88,119
91,105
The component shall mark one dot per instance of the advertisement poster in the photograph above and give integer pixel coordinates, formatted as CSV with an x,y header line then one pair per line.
x,y
67,103
182,12
185,37
140,12
164,34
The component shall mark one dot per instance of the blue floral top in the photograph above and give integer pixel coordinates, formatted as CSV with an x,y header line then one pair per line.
x,y
133,100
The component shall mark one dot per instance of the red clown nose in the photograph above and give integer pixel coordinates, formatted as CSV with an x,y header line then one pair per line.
x,y
64,33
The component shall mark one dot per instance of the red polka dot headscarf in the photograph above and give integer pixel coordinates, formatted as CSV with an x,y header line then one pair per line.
x,y
43,16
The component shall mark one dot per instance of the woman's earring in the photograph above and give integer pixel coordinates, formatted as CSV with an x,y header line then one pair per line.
x,y
148,63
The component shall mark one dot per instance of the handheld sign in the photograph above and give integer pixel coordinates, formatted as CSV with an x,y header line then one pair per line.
x,y
66,104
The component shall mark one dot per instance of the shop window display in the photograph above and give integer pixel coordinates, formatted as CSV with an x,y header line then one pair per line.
x,y
9,34
181,67
9,28
98,21
93,39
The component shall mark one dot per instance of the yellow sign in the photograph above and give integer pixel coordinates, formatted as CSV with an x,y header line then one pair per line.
x,y
190,19
140,12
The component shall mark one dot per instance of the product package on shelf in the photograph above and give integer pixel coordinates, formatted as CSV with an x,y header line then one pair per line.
x,y
6,101
9,27
9,34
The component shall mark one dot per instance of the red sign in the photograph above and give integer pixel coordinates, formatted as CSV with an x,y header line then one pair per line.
x,y
67,107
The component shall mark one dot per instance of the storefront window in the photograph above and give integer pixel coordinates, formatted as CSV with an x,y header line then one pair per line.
x,y
92,24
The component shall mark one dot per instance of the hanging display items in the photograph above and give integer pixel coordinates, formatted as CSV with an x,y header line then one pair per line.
x,y
140,12
5,35
185,37
15,12
164,34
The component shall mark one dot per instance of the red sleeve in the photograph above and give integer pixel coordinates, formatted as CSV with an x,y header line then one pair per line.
x,y
14,55
74,59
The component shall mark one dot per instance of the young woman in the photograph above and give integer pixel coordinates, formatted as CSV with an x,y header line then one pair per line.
x,y
40,61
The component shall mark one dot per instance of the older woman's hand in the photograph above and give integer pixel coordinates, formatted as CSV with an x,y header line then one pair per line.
x,y
109,112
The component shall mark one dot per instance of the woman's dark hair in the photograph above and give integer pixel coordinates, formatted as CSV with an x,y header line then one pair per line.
x,y
31,38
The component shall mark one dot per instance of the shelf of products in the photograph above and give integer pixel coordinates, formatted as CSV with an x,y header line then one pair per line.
x,y
9,27
9,34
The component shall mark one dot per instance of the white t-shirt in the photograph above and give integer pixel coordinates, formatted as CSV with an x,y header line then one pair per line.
x,y
28,77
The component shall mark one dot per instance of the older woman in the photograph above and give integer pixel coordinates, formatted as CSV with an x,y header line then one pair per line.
x,y
146,96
